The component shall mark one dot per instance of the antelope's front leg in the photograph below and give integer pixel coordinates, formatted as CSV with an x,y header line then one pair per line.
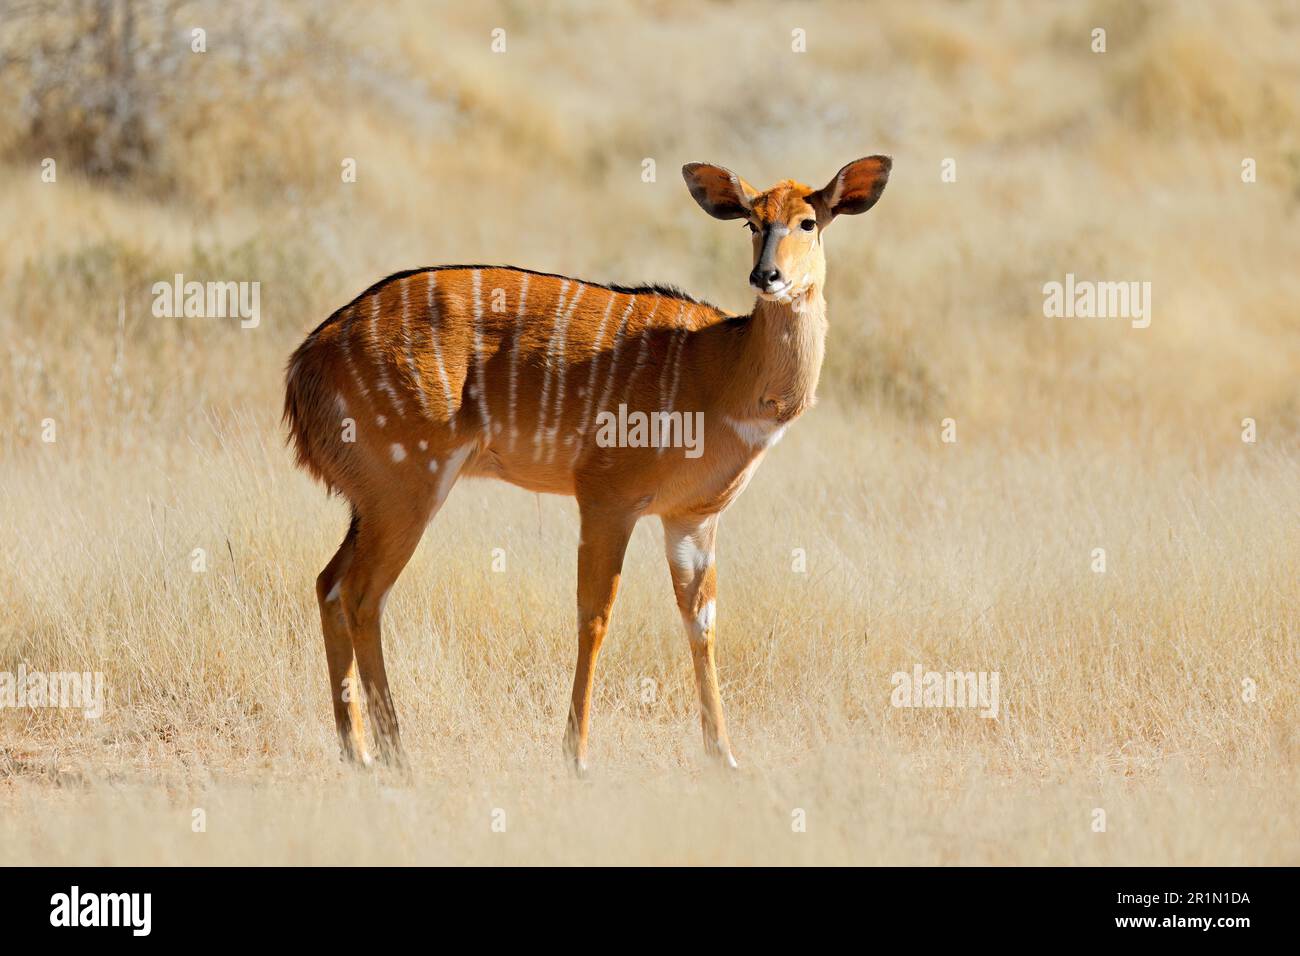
x,y
605,533
689,544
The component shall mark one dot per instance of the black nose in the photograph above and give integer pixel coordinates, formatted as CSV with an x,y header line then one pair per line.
x,y
764,277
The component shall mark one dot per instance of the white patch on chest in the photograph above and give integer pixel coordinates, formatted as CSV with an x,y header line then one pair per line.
x,y
757,432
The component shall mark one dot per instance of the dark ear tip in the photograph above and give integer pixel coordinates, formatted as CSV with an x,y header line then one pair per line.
x,y
886,162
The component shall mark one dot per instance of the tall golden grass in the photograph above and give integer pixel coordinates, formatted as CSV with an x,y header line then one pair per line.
x,y
1125,691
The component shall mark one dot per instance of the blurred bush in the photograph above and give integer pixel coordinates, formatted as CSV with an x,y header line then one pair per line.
x,y
142,93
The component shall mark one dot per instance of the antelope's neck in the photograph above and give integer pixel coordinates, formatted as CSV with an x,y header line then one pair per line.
x,y
781,351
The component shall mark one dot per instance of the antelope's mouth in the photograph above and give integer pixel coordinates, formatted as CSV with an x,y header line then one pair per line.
x,y
775,291
785,291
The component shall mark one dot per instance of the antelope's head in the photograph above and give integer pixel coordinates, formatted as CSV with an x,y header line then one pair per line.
x,y
787,220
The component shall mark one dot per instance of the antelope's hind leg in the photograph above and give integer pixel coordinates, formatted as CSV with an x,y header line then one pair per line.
x,y
388,529
345,691
384,544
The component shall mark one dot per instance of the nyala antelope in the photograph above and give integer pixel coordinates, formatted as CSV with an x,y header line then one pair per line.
x,y
438,373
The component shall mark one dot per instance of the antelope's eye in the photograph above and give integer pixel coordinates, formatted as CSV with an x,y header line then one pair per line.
x,y
752,227
809,225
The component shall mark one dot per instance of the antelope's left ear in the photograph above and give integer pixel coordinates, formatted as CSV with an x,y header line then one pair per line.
x,y
855,188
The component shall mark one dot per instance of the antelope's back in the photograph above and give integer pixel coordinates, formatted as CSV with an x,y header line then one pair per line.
x,y
518,360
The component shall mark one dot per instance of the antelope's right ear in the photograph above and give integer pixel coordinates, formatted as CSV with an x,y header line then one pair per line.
x,y
720,192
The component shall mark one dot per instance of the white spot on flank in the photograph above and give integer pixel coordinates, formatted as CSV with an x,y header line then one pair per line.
x,y
342,405
433,464
398,452
381,421
424,445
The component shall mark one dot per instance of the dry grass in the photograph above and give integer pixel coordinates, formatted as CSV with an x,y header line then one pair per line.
x,y
1120,691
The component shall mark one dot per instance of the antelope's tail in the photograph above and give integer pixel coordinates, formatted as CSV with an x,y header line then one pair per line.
x,y
309,412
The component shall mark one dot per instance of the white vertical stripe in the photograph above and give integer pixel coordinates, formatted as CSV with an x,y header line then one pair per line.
x,y
546,379
381,371
346,348
437,349
614,357
561,334
673,362
591,376
668,355
677,367
478,354
676,371
514,360
642,352
665,368
414,370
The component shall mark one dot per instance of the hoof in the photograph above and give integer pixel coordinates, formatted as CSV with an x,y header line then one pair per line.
x,y
395,761
722,758
351,758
